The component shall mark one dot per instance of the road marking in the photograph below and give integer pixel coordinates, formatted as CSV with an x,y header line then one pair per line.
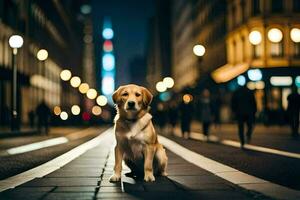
x,y
105,138
212,138
37,145
230,174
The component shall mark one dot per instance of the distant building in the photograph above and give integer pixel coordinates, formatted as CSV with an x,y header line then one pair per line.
x,y
263,49
159,44
197,22
51,25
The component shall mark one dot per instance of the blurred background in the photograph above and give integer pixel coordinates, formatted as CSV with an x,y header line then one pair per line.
x,y
69,56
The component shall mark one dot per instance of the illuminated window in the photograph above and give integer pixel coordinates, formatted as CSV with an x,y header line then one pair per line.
x,y
257,51
276,49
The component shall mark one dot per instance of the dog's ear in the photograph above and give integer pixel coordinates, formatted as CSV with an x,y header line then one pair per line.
x,y
116,95
147,96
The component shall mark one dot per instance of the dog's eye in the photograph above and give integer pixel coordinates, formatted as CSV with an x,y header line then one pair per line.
x,y
137,94
125,94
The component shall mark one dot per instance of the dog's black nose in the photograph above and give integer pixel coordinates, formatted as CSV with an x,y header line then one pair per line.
x,y
131,104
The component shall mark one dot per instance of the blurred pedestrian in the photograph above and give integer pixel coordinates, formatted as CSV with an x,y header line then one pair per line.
x,y
216,109
43,113
243,104
293,111
161,117
206,112
186,113
31,117
173,115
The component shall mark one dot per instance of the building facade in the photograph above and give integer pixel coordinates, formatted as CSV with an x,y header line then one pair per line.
x,y
49,25
263,49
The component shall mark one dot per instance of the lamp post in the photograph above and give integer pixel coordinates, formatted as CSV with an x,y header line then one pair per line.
x,y
42,55
199,51
15,42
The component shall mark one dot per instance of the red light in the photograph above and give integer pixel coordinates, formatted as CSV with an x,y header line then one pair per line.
x,y
86,116
107,46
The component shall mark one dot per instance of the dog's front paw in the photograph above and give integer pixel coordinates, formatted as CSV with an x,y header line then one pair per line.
x,y
115,178
149,178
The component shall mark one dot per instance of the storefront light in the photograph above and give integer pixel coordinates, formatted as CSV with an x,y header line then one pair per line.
x,y
281,80
251,85
275,35
241,80
254,74
259,85
295,35
255,37
297,81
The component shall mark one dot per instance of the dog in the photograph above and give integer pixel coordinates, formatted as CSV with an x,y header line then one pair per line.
x,y
137,142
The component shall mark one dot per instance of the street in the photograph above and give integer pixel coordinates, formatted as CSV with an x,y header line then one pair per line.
x,y
85,176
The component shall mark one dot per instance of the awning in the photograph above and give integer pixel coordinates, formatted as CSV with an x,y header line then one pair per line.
x,y
228,72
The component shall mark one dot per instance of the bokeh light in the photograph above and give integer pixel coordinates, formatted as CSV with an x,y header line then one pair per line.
x,y
75,110
108,33
42,54
108,61
75,81
65,75
254,74
187,98
275,35
64,115
96,110
241,80
101,100
91,93
199,50
255,37
83,88
56,110
168,82
295,35
108,85
107,46
160,86
15,41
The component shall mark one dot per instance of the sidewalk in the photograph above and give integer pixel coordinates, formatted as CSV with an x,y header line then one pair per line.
x,y
87,177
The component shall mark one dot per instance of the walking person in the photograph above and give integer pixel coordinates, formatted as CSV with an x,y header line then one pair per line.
x,y
43,113
186,112
173,116
243,105
206,112
293,111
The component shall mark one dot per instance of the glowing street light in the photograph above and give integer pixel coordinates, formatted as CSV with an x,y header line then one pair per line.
x,y
83,88
295,35
96,110
75,81
64,115
65,75
57,110
15,42
160,87
199,50
255,37
168,82
101,100
75,109
91,93
275,35
42,55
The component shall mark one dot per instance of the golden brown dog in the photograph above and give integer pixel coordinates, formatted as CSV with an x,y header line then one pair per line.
x,y
135,134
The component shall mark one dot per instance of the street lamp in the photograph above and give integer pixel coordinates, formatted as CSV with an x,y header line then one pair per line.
x,y
295,35
199,51
42,56
15,42
275,35
255,37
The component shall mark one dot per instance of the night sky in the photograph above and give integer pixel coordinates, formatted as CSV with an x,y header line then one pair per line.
x,y
130,23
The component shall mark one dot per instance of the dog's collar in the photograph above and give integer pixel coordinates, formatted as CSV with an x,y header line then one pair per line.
x,y
140,124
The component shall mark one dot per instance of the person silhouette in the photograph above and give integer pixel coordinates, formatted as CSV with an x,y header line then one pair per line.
x,y
43,113
293,111
186,113
243,105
